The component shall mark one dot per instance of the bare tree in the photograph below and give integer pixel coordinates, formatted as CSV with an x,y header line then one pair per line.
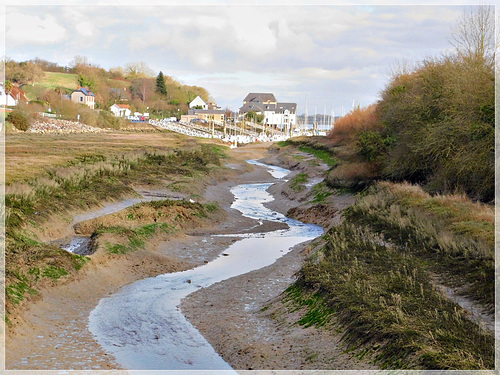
x,y
138,70
79,60
474,34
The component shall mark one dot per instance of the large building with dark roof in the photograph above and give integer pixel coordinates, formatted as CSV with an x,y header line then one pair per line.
x,y
280,115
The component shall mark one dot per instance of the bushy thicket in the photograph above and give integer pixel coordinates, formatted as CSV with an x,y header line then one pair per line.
x,y
434,126
23,115
441,117
19,119
134,83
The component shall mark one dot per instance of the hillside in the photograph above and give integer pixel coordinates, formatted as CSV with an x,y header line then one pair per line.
x,y
135,85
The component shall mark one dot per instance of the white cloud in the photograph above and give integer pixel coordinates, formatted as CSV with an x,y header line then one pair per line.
x,y
24,29
326,74
85,29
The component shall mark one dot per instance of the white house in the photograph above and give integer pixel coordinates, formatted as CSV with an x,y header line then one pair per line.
x,y
198,101
120,110
6,100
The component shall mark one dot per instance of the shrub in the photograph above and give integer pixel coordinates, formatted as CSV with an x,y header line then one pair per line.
x,y
346,129
354,176
19,119
442,121
371,145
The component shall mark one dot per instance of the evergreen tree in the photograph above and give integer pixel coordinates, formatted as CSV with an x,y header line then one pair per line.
x,y
161,86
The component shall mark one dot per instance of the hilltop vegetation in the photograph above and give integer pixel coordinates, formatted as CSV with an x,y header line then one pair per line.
x,y
434,125
134,84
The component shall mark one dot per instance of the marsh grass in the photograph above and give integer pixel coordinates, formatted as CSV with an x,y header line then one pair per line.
x,y
81,181
321,191
322,154
133,239
384,301
453,234
135,225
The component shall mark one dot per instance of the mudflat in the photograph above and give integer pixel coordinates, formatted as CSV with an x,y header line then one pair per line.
x,y
236,316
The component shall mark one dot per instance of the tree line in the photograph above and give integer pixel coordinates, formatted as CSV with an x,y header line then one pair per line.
x,y
134,84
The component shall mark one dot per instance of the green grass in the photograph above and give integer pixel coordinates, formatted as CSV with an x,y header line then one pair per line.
x,y
51,81
321,192
53,272
371,279
297,182
455,241
175,212
323,155
79,181
283,143
220,150
134,238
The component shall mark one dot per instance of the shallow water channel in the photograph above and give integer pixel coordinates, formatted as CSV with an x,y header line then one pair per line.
x,y
142,325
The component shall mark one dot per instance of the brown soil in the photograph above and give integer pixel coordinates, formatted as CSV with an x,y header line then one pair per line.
x,y
52,333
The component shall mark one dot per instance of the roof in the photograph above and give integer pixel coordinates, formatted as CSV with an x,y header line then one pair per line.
x,y
260,97
85,90
18,94
282,107
200,98
206,111
252,106
122,105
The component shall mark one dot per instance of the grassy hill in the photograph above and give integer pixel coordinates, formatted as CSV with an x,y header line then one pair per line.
x,y
52,81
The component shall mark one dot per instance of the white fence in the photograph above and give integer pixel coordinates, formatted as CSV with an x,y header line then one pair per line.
x,y
50,115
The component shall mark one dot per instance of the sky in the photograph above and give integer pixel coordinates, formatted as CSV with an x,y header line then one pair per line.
x,y
327,55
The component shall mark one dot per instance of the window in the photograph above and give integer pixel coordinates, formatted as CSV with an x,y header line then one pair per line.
x,y
81,98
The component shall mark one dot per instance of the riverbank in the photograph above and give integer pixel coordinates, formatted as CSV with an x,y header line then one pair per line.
x,y
52,333
259,332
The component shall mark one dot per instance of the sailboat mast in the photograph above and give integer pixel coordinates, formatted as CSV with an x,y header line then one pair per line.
x,y
305,117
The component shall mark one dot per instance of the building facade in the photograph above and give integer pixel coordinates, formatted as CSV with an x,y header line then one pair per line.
x,y
120,110
216,115
198,102
280,115
83,95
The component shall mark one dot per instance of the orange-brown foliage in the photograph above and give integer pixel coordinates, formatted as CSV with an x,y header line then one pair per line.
x,y
348,127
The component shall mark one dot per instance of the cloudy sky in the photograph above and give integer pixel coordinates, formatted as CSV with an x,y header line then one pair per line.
x,y
333,54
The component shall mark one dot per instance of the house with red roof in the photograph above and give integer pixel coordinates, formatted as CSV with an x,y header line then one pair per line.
x,y
83,95
120,110
19,95
6,98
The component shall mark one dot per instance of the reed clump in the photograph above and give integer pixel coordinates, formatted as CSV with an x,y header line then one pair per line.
x,y
382,298
454,234
129,229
